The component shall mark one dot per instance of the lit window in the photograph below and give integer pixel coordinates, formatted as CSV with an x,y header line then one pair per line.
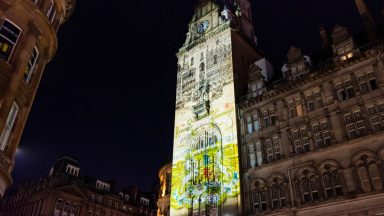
x,y
5,135
9,35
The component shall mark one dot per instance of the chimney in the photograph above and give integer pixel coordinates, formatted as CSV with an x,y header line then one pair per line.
x,y
326,49
368,22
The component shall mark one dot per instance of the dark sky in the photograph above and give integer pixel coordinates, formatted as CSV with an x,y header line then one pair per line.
x,y
108,96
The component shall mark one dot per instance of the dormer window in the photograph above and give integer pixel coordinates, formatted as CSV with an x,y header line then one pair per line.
x,y
72,170
103,185
144,201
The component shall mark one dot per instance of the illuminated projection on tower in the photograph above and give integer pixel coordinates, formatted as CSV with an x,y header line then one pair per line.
x,y
205,170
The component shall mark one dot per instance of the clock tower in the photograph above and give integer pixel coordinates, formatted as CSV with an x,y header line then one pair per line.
x,y
212,75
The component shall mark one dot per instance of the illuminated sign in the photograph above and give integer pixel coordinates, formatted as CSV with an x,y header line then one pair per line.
x,y
9,34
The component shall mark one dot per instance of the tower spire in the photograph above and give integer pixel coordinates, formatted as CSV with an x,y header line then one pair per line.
x,y
367,19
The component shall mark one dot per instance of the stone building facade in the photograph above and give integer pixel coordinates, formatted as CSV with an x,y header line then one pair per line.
x,y
67,192
163,201
28,42
313,142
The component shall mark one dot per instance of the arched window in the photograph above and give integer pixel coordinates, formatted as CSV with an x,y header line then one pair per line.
x,y
278,196
338,183
215,59
259,199
368,173
309,187
332,184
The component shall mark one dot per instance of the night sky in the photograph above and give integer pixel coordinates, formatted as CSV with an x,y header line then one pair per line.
x,y
108,96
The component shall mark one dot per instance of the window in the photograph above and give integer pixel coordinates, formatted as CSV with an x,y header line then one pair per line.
x,y
321,133
51,13
292,109
253,123
249,125
252,155
72,170
278,196
345,90
256,124
355,124
345,51
202,67
314,101
332,182
5,135
259,199
369,174
73,210
31,65
58,207
65,209
269,117
102,185
376,116
300,140
9,36
309,189
272,147
367,83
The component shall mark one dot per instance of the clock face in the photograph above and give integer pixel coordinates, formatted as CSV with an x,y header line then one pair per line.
x,y
201,27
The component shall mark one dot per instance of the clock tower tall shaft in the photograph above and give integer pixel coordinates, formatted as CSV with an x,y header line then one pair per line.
x,y
212,74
